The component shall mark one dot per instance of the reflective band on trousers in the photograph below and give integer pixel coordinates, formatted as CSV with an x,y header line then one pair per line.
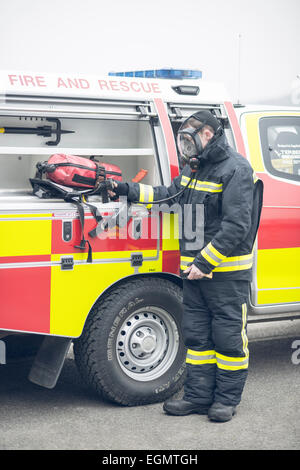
x,y
232,363
212,357
243,332
200,357
208,186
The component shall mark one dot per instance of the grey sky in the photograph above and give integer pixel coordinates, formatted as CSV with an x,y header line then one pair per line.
x,y
97,36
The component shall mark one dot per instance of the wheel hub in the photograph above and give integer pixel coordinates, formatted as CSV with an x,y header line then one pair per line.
x,y
143,342
147,343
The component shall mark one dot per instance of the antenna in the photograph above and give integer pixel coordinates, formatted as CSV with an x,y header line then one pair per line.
x,y
239,66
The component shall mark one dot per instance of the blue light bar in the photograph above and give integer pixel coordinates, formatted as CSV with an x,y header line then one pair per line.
x,y
161,73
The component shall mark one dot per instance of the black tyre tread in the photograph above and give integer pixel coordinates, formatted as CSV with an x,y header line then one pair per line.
x,y
85,346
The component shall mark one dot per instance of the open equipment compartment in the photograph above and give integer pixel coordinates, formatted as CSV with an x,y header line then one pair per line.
x,y
127,143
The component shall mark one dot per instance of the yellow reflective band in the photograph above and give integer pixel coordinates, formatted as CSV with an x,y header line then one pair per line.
x,y
208,186
231,359
187,258
142,193
151,196
146,193
233,268
208,258
215,252
210,183
212,255
185,179
232,363
200,357
2,130
235,263
201,353
239,258
226,367
231,263
185,261
243,333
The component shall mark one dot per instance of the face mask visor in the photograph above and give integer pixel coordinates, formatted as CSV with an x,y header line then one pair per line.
x,y
189,143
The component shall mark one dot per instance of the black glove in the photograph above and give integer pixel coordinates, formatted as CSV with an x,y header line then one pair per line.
x,y
121,189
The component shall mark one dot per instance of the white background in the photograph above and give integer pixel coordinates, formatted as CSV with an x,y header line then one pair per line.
x,y
98,36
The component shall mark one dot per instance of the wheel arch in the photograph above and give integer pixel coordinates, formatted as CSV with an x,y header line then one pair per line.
x,y
157,275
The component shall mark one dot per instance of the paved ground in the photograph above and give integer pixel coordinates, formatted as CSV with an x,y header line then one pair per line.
x,y
70,417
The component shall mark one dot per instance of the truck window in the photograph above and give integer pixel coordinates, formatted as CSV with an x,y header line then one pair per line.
x,y
280,138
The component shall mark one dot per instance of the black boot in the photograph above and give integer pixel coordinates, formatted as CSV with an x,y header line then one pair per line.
x,y
220,412
183,407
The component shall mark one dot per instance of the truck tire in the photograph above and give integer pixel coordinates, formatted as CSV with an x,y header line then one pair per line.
x,y
131,350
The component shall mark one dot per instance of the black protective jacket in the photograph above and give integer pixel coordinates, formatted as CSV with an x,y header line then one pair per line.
x,y
227,190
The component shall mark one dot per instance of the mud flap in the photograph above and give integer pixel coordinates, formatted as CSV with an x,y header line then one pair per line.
x,y
49,361
2,352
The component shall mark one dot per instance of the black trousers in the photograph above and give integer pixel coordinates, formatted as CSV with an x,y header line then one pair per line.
x,y
214,328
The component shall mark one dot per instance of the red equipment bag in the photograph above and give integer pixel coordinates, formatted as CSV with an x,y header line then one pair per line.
x,y
79,172
82,174
85,176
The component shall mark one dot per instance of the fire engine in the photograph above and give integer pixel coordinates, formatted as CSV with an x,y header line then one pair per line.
x,y
122,311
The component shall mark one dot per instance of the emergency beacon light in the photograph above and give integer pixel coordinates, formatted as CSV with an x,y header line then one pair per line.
x,y
161,73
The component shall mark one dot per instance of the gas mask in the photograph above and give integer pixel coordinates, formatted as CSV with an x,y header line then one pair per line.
x,y
190,146
188,140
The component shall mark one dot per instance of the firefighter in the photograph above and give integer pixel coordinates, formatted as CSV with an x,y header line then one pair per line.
x,y
223,199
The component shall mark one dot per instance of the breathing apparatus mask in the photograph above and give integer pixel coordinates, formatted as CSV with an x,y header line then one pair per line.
x,y
188,140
